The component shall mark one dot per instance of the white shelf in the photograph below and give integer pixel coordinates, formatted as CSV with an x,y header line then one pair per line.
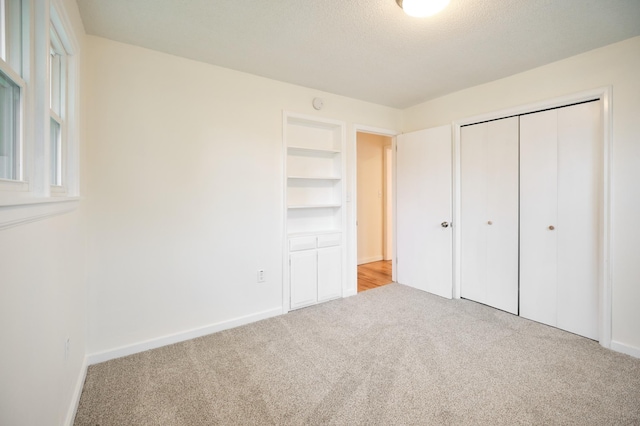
x,y
314,206
315,177
315,187
313,150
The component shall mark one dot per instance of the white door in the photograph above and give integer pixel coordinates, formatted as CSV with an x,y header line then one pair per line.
x,y
502,212
538,216
303,278
579,189
423,219
489,213
559,217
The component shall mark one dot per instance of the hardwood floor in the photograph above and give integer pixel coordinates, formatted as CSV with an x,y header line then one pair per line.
x,y
374,274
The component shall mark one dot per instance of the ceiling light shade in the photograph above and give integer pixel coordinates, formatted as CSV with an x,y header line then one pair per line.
x,y
422,8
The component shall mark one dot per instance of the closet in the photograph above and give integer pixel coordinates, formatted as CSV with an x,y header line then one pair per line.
x,y
530,193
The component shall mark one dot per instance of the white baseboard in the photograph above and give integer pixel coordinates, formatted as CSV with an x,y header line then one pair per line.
x,y
170,339
369,259
77,392
625,349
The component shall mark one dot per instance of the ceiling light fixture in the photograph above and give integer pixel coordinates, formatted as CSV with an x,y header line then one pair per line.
x,y
422,8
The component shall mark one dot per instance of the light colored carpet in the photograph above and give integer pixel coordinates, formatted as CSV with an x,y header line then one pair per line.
x,y
388,356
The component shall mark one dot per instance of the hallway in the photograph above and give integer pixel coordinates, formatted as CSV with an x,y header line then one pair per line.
x,y
374,274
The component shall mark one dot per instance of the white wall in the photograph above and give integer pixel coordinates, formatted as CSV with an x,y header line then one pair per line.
x,y
42,303
186,192
370,160
617,65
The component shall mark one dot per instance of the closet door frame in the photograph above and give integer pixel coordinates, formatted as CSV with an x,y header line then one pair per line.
x,y
602,94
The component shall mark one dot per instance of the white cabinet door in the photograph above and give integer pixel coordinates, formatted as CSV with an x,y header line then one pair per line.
x,y
329,273
489,213
423,197
303,278
560,187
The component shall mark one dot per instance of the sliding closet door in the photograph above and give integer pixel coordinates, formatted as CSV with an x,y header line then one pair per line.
x,y
560,157
489,213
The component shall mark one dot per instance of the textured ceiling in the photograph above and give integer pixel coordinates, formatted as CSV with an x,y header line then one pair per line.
x,y
368,49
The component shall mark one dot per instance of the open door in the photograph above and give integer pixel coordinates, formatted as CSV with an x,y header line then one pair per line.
x,y
423,210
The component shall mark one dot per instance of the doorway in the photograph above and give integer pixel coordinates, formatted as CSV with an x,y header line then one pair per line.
x,y
374,191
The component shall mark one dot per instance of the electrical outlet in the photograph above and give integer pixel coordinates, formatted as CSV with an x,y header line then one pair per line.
x,y
261,275
67,348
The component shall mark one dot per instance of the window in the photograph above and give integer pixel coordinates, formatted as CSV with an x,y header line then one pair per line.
x,y
11,33
39,70
57,95
11,90
9,128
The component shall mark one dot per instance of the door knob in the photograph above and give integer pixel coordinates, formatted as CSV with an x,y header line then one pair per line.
x,y
445,224
551,227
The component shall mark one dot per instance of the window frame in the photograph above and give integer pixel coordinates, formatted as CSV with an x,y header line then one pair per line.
x,y
69,93
17,182
57,111
34,197
13,63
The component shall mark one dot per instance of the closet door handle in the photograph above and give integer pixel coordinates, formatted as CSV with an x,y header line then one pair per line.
x,y
489,223
551,227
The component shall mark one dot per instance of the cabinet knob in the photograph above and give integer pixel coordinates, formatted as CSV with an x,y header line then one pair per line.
x,y
445,224
551,227
489,223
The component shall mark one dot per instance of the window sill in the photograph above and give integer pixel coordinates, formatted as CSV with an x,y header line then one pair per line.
x,y
30,210
14,185
58,191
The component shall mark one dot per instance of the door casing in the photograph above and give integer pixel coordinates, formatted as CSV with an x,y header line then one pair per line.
x,y
351,282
